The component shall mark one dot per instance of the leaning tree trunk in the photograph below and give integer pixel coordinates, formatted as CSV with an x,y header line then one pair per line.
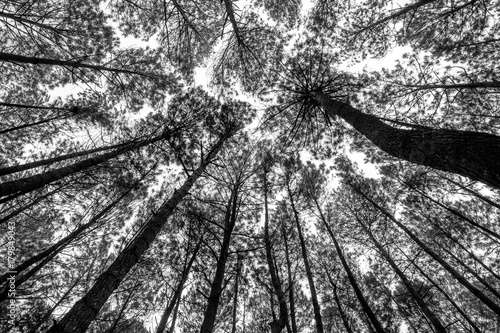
x,y
312,288
352,279
277,325
20,59
291,297
208,323
61,244
28,184
84,311
433,319
178,291
471,154
453,272
31,165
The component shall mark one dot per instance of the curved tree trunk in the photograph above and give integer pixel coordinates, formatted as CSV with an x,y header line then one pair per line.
x,y
84,311
471,154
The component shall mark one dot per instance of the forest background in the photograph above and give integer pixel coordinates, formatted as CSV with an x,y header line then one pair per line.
x,y
134,199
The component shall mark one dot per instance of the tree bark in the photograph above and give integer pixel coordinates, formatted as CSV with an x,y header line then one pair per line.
x,y
312,288
84,311
471,154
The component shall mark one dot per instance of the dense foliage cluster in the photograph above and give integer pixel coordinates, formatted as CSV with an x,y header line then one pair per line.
x,y
190,166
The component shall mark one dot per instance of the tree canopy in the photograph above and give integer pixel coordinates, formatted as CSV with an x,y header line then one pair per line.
x,y
249,166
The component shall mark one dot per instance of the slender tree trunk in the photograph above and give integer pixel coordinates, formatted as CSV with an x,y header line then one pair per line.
x,y
216,288
178,291
452,302
174,318
31,165
16,58
25,21
462,280
472,85
19,280
474,193
456,213
24,106
291,297
352,279
36,123
27,206
60,245
278,325
84,311
434,320
397,14
343,315
235,300
314,295
471,271
471,154
32,183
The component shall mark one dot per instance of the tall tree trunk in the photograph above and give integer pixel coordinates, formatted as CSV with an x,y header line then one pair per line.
x,y
474,193
36,107
216,288
31,165
397,14
26,21
434,320
84,311
343,315
174,318
60,245
291,297
450,299
455,212
235,300
278,325
453,272
312,288
471,154
36,123
352,279
32,183
178,291
16,58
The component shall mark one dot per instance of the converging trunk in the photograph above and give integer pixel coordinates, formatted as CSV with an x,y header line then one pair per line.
x,y
474,155
84,311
